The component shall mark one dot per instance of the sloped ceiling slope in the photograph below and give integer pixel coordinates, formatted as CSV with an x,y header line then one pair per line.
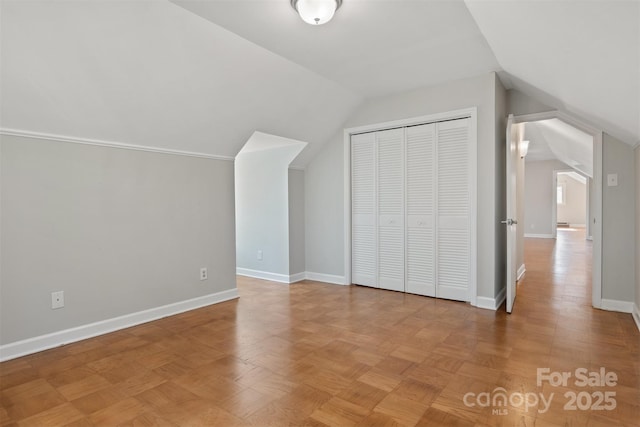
x,y
153,74
554,139
579,56
375,48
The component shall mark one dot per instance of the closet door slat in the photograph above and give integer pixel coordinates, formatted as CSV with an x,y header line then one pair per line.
x,y
363,207
420,251
390,167
454,206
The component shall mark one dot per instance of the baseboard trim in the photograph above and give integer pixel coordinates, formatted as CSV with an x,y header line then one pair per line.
x,y
298,277
636,315
326,278
79,333
539,236
615,305
264,275
521,271
578,225
492,303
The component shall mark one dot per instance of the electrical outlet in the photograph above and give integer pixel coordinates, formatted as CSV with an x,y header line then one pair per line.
x,y
57,299
259,255
203,273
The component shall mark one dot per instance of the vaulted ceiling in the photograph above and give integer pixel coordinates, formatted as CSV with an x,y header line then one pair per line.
x,y
202,76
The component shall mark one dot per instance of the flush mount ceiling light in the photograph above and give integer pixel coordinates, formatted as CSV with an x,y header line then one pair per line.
x,y
316,12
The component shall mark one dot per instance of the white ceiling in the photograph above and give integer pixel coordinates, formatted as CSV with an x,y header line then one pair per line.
x,y
371,47
579,56
151,73
575,176
555,139
203,76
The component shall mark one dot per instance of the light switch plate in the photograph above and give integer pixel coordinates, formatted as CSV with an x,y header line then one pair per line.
x,y
612,179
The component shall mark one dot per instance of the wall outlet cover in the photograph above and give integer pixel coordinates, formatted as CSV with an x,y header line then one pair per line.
x,y
57,300
204,274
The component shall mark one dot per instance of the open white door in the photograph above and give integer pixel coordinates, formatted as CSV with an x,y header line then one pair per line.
x,y
510,221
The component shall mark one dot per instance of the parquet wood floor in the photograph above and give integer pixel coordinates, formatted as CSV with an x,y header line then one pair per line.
x,y
316,354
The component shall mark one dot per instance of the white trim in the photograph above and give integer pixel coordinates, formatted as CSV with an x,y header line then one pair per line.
x,y
264,275
111,144
67,336
540,236
297,277
327,278
636,315
578,225
521,271
615,305
471,113
492,303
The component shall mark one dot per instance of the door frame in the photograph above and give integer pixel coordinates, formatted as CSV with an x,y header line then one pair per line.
x,y
472,114
596,230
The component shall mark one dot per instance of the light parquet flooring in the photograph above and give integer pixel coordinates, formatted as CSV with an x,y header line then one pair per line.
x,y
316,354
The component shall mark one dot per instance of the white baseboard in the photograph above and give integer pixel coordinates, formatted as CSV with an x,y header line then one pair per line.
x,y
326,278
521,271
539,236
492,303
79,333
636,315
297,277
615,305
264,275
578,225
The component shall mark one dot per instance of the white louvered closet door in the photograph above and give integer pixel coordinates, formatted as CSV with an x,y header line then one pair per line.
x,y
363,210
390,167
453,210
420,201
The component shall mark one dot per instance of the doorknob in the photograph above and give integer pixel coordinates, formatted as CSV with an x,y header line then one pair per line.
x,y
509,221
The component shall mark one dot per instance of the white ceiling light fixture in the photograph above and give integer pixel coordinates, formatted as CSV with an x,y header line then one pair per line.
x,y
316,12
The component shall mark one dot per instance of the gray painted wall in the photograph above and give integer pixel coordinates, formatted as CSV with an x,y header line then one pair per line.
x,y
324,188
538,195
262,209
520,104
119,231
574,211
296,221
618,222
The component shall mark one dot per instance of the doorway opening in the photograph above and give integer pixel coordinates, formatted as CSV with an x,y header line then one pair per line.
x,y
561,202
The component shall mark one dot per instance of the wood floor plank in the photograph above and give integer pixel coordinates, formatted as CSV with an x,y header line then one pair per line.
x,y
313,354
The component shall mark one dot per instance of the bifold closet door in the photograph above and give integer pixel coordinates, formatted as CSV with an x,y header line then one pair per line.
x,y
420,201
364,251
453,210
390,168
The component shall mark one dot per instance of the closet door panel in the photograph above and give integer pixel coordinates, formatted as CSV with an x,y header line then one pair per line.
x,y
390,168
453,206
363,209
420,230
